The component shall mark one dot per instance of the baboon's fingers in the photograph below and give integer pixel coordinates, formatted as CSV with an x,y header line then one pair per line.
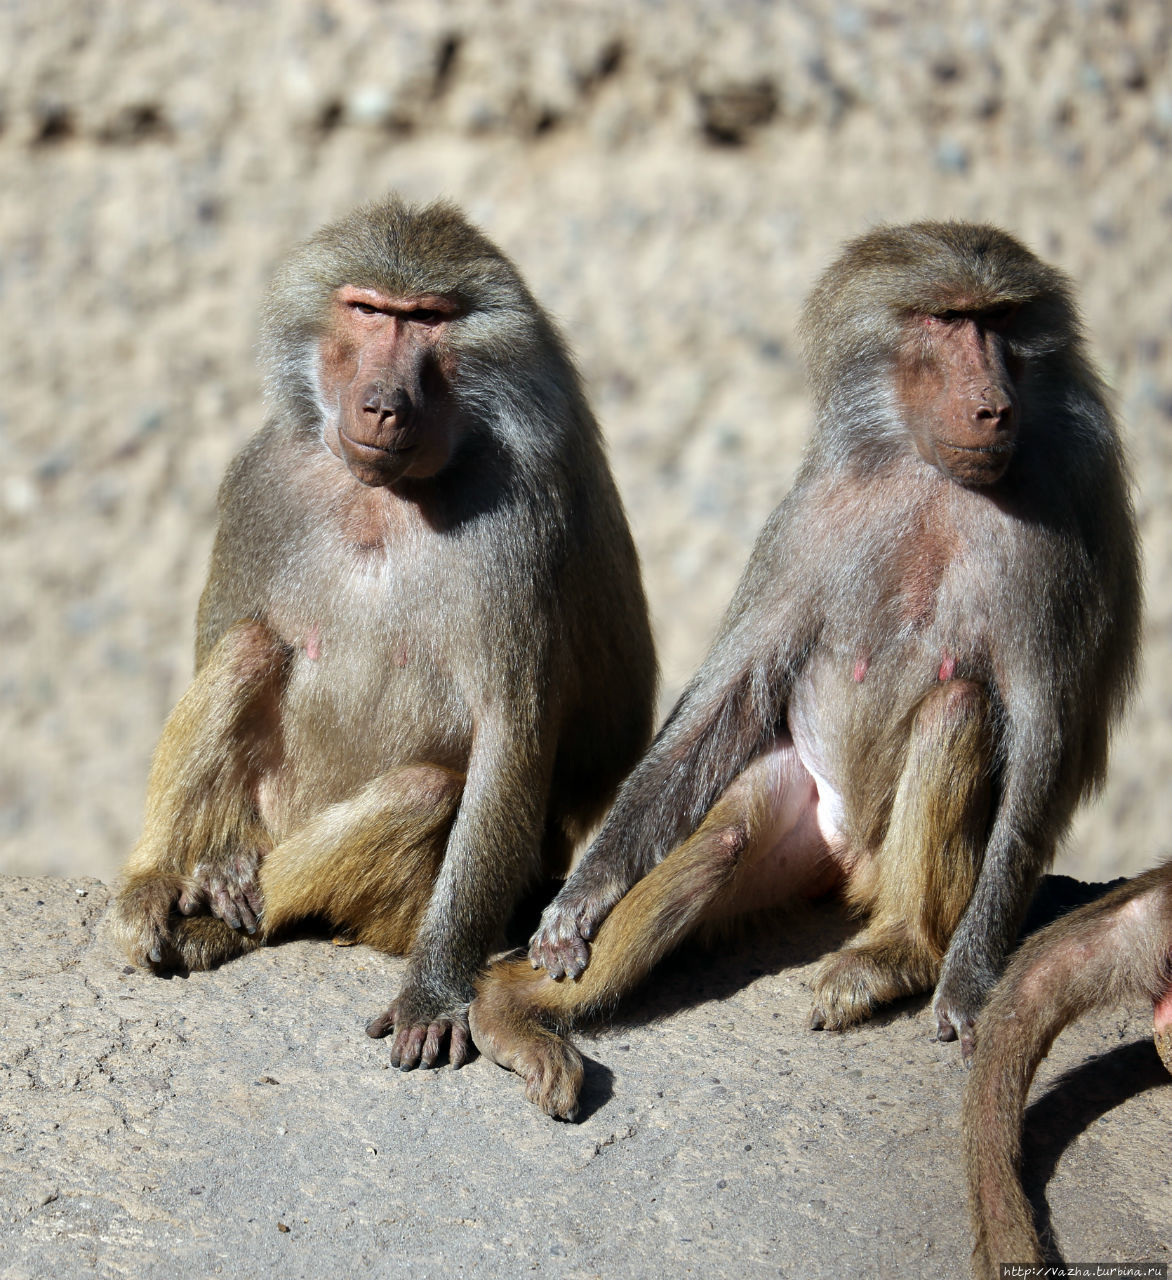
x,y
432,1043
248,921
553,1079
192,900
230,891
254,904
378,1027
843,993
224,908
234,909
560,949
560,944
459,1042
956,1015
419,1040
407,1047
876,968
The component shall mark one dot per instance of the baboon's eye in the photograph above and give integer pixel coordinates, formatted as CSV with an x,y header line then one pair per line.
x,y
1001,316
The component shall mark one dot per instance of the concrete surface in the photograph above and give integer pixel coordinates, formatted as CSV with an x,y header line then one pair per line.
x,y
239,1123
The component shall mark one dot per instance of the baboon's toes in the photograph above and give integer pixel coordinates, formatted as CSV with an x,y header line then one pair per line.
x,y
550,1066
553,1078
844,991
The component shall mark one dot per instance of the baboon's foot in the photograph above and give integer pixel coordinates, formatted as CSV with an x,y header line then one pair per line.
x,y
549,1065
853,982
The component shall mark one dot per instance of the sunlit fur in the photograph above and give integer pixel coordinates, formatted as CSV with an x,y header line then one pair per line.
x,y
1026,590
409,699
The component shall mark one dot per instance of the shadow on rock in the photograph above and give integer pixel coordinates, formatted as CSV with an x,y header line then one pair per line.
x,y
1058,895
1069,1107
738,955
597,1089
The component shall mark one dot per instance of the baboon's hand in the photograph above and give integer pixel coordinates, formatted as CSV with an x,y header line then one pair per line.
x,y
559,945
421,1024
959,998
229,888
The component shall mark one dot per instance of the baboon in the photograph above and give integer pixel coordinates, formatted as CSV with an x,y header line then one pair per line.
x,y
1115,949
915,682
423,659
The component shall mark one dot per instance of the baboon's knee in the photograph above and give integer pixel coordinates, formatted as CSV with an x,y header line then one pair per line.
x,y
951,708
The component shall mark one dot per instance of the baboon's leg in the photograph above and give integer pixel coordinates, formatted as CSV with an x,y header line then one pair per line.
x,y
200,808
1116,949
768,808
366,864
916,888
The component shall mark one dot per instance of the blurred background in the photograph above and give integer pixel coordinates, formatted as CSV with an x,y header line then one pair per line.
x,y
670,176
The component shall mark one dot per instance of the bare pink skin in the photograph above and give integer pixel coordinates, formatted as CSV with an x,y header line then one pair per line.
x,y
957,389
383,371
1163,1012
798,852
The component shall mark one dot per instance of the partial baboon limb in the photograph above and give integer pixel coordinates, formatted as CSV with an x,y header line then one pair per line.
x,y
1118,948
759,832
201,805
366,865
916,888
515,1002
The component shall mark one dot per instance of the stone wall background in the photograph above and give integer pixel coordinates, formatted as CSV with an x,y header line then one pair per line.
x,y
670,176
